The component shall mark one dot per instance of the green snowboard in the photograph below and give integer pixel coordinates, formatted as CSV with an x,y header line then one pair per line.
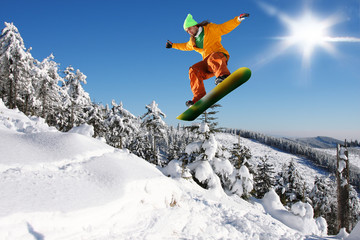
x,y
233,81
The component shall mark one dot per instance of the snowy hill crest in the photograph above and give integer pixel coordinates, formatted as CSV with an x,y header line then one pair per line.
x,y
320,142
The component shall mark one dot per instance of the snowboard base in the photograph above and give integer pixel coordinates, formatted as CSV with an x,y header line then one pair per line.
x,y
233,81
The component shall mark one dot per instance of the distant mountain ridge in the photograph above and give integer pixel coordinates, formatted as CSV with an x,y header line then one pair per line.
x,y
319,142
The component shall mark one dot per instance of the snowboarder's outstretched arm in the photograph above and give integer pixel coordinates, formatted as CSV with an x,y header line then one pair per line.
x,y
230,25
180,46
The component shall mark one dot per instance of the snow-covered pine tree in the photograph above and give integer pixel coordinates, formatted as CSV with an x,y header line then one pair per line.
x,y
178,139
121,124
174,143
48,92
208,161
15,69
140,145
78,98
26,91
242,179
156,129
290,185
264,177
244,183
354,211
240,154
323,198
201,156
281,184
96,118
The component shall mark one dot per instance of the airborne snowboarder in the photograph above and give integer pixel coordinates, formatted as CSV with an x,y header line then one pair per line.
x,y
205,38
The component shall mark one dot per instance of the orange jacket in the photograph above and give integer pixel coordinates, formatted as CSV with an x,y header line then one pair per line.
x,y
212,38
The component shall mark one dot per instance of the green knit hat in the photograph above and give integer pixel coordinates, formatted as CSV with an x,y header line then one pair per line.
x,y
189,22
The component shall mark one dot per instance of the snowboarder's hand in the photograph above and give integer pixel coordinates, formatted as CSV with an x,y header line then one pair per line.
x,y
243,16
169,44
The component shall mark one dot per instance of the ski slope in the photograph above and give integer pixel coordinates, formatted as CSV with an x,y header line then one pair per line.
x,y
58,185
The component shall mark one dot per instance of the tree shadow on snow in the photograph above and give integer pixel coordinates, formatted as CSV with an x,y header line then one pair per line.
x,y
37,236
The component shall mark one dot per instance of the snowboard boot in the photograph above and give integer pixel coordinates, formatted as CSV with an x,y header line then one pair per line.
x,y
189,103
220,79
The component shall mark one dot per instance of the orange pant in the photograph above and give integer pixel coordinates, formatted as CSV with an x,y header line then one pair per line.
x,y
213,65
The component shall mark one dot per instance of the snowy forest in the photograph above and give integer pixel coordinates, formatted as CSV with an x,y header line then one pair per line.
x,y
44,89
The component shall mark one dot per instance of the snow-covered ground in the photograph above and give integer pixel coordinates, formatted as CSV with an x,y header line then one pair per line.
x,y
275,157
70,186
354,155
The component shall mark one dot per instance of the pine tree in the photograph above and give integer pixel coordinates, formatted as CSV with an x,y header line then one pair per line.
x,y
15,66
48,91
174,147
264,177
121,124
202,159
289,185
26,91
240,154
96,118
244,182
354,211
78,99
296,184
323,198
156,127
140,146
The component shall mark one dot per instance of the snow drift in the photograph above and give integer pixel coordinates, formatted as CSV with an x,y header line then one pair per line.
x,y
53,181
300,217
70,186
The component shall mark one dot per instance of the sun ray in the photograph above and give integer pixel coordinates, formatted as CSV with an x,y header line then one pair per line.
x,y
342,39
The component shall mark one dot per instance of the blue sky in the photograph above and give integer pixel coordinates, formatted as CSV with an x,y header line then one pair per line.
x,y
121,48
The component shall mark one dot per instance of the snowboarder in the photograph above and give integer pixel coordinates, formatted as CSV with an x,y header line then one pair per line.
x,y
205,38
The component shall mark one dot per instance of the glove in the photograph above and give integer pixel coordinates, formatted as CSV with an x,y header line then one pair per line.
x,y
169,44
243,16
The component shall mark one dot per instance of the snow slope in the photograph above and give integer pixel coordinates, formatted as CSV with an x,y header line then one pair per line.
x,y
354,155
275,157
70,186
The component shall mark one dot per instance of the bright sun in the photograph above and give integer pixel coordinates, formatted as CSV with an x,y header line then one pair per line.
x,y
308,33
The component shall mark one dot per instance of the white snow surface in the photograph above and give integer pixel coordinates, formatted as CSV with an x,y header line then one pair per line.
x,y
355,233
210,147
70,186
300,218
354,155
85,129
